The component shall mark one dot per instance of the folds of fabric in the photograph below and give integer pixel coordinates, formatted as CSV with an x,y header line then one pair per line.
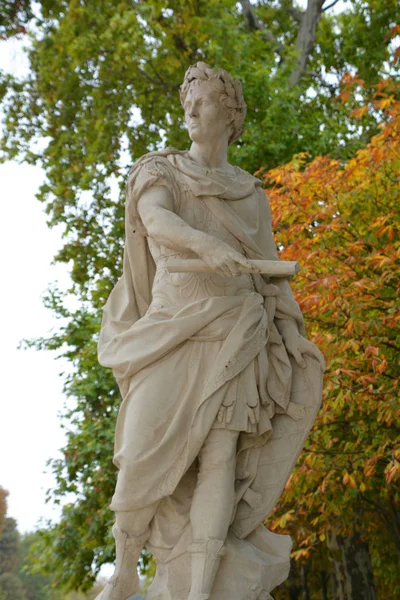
x,y
209,343
245,213
180,367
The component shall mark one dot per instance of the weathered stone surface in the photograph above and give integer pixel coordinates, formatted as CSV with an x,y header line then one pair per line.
x,y
220,387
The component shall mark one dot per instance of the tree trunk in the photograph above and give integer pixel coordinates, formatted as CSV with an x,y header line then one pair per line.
x,y
304,583
324,585
353,576
306,38
294,588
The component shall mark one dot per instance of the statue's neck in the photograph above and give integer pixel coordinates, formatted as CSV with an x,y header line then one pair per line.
x,y
213,156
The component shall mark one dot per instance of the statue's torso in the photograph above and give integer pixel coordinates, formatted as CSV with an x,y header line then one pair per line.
x,y
175,289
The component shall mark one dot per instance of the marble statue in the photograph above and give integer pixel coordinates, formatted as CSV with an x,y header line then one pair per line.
x,y
220,387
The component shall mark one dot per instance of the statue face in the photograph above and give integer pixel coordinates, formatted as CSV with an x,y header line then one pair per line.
x,y
207,119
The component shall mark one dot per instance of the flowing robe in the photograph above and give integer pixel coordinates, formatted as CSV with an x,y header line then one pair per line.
x,y
191,351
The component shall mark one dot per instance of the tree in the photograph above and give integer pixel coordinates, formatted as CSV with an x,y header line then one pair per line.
x,y
341,221
40,586
103,90
10,584
3,507
36,585
14,16
20,579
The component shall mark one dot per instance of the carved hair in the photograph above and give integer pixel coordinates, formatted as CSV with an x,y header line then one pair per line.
x,y
231,95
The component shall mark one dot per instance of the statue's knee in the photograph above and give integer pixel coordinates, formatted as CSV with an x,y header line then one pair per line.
x,y
219,451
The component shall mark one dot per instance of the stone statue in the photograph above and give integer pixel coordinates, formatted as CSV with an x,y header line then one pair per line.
x,y
220,387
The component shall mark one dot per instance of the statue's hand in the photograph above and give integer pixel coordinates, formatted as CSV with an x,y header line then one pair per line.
x,y
297,345
224,260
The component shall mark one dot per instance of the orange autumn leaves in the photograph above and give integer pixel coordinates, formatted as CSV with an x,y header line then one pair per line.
x,y
341,222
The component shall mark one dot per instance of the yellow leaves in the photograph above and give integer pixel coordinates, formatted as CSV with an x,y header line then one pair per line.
x,y
362,285
349,480
371,351
342,224
393,32
289,482
367,380
358,113
392,471
390,230
383,366
350,326
301,553
282,521
344,96
379,259
349,83
384,103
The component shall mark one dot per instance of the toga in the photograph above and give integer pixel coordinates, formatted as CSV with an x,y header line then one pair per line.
x,y
194,351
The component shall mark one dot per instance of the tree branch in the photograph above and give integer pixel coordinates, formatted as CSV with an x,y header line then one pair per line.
x,y
157,82
391,524
306,38
330,5
255,25
296,13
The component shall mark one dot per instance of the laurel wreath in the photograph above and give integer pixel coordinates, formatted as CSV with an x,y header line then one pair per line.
x,y
231,93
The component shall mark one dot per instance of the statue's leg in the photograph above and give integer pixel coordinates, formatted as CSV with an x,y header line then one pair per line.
x,y
211,509
131,532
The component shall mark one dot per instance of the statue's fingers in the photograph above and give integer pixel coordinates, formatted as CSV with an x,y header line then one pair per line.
x,y
320,357
233,268
247,265
297,355
223,270
313,351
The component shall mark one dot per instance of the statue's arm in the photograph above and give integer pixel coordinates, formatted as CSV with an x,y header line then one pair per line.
x,y
156,210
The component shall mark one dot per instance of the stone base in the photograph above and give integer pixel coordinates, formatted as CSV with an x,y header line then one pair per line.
x,y
249,569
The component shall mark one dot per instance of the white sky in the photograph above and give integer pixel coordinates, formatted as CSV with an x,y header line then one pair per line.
x,y
31,389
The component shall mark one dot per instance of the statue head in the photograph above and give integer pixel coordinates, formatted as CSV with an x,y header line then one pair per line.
x,y
217,86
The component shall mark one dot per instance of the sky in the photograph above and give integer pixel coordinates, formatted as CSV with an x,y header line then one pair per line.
x,y
31,388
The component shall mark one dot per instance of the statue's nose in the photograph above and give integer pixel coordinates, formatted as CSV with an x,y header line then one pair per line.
x,y
193,111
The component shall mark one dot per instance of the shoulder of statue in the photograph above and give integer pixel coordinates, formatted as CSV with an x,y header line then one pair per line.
x,y
153,168
245,175
152,158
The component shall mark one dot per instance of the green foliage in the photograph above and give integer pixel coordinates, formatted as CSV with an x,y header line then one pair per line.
x,y
11,587
10,584
37,586
103,90
3,507
20,575
9,547
14,16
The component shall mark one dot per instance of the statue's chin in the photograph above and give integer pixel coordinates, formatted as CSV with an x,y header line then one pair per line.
x,y
195,137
